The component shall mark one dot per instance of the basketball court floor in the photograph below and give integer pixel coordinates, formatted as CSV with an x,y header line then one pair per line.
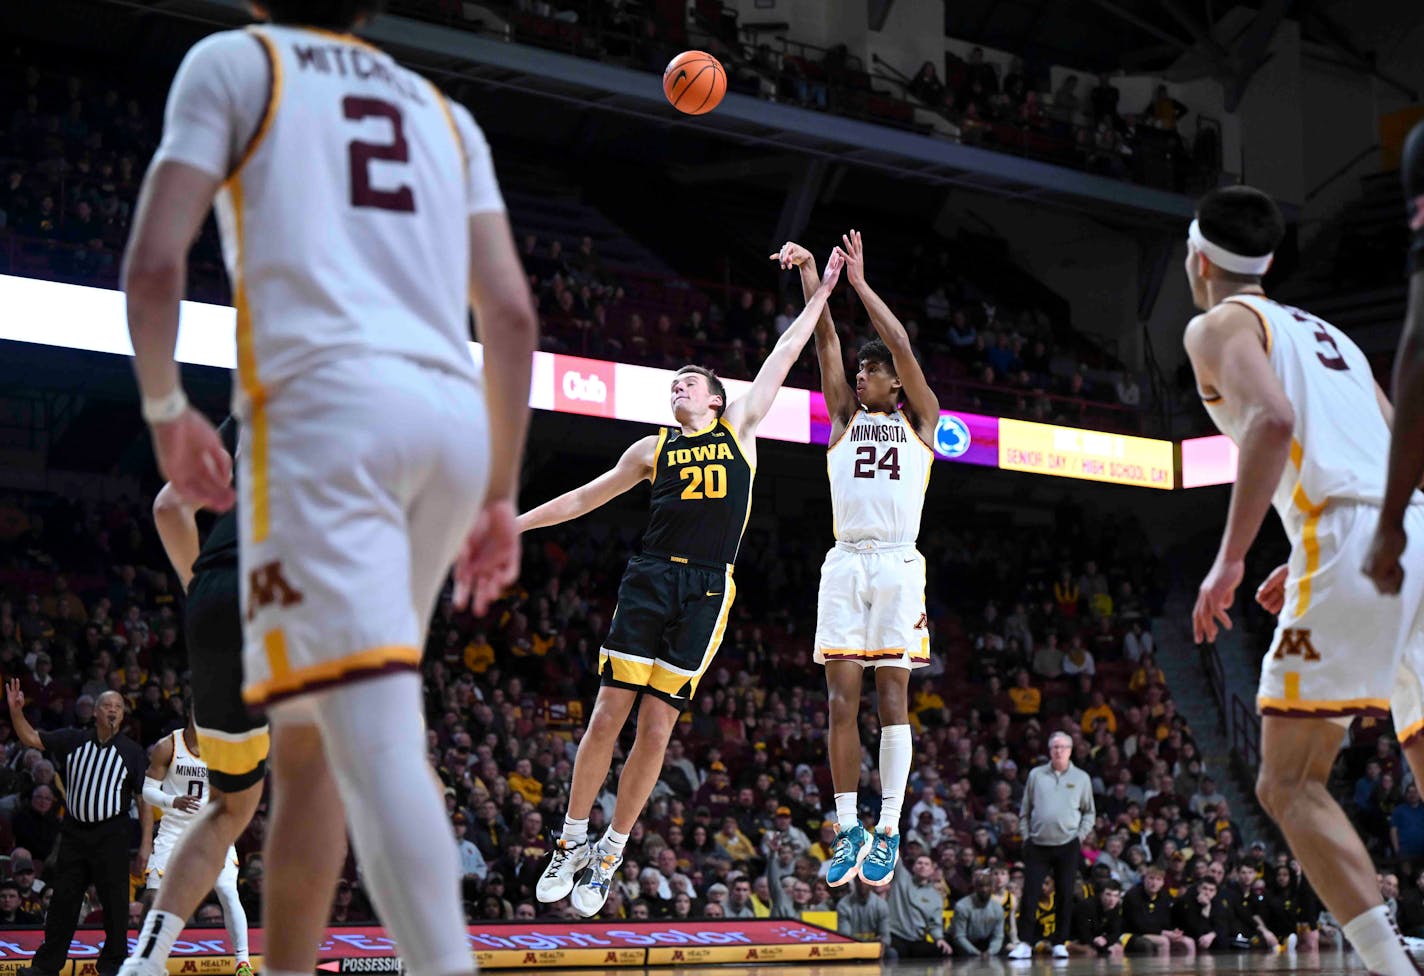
x,y
1328,963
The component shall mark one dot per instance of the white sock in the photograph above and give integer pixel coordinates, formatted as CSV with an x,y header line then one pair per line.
x,y
896,751
613,842
575,831
847,814
1376,939
235,918
155,941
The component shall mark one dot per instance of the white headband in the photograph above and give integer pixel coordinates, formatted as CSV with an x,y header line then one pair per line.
x,y
1227,260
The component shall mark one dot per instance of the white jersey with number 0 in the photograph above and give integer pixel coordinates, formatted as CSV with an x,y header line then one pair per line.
x,y
1340,444
187,776
879,470
348,186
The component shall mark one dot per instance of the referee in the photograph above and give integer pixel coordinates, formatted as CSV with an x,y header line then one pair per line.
x,y
103,771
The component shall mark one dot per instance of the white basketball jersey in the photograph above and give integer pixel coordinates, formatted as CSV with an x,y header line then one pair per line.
x,y
345,225
879,470
187,776
1340,446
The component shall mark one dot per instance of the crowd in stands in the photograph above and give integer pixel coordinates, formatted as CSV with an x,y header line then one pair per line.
x,y
1014,108
77,149
1035,630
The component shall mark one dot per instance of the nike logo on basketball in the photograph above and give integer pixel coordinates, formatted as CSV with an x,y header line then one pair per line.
x,y
680,75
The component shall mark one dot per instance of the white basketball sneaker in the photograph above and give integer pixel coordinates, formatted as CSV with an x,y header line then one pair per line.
x,y
565,863
592,889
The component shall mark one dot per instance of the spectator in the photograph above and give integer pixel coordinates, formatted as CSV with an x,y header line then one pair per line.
x,y
1200,918
1104,99
1027,700
739,900
917,912
977,928
1098,924
1058,809
1147,916
1097,711
864,915
37,826
1406,829
11,913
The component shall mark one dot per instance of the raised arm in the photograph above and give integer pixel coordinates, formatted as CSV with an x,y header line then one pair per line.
x,y
177,530
924,405
24,731
840,396
637,464
1228,355
746,412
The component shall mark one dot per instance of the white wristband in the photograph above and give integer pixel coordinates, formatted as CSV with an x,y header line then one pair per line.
x,y
165,409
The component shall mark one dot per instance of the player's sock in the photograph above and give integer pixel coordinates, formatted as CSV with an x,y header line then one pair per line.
x,y
613,842
155,940
847,815
896,751
398,823
235,918
575,831
1377,941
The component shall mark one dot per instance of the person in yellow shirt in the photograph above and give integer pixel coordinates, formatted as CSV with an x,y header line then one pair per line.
x,y
1026,698
735,843
821,849
1147,673
1098,708
479,654
522,781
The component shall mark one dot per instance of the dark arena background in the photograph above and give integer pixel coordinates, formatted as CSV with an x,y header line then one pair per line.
x,y
1023,173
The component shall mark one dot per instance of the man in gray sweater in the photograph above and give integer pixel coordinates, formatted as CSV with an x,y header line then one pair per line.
x,y
977,930
864,915
1057,815
917,913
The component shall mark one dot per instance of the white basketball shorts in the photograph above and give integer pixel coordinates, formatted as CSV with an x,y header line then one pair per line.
x,y
1340,648
871,606
163,846
357,483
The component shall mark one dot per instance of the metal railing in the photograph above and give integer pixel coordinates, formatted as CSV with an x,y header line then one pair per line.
x,y
1216,679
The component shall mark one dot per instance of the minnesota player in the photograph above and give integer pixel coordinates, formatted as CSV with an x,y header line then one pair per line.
x,y
1298,398
870,611
674,598
361,219
194,849
177,783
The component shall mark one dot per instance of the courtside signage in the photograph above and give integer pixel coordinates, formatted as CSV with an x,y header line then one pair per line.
x,y
1208,461
92,319
368,949
1087,454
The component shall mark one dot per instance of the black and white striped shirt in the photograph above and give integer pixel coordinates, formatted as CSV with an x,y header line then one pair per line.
x,y
99,780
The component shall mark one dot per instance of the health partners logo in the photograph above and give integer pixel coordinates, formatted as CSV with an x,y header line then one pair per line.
x,y
583,386
952,436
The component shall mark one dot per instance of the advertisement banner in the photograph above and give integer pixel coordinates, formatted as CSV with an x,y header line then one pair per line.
x,y
1067,452
368,949
969,438
1208,461
584,386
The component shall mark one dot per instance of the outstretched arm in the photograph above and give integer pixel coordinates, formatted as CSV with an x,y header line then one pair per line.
x,y
745,413
1228,355
636,464
840,397
177,530
924,405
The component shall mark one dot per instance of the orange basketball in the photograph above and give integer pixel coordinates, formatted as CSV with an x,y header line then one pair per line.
x,y
694,82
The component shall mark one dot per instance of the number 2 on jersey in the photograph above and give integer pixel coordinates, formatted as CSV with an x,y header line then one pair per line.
x,y
865,466
708,482
363,194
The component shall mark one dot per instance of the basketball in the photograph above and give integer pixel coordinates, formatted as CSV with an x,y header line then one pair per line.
x,y
694,82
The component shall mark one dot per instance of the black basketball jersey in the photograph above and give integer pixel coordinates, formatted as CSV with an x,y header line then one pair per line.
x,y
702,496
219,548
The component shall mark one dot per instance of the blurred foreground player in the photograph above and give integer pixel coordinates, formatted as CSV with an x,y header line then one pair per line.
x,y
1406,446
1298,398
674,598
207,778
361,218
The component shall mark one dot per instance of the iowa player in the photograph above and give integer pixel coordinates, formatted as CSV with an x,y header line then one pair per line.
x,y
870,611
674,599
204,813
